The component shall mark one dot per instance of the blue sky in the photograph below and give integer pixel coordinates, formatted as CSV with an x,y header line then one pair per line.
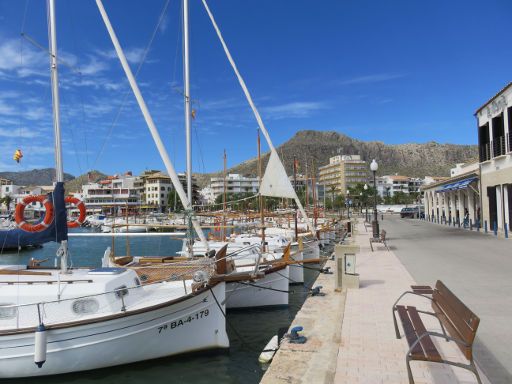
x,y
392,71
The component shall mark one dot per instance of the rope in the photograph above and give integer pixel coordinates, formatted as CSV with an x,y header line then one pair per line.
x,y
228,202
262,287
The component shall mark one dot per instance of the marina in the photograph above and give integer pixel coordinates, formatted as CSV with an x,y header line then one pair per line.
x,y
356,255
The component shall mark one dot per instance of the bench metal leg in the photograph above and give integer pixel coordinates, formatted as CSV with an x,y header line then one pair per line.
x,y
397,331
409,372
371,244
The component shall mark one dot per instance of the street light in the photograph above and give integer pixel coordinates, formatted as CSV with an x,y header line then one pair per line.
x,y
348,204
366,201
375,224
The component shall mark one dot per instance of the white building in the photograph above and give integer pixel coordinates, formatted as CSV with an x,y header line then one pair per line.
x,y
113,192
235,183
207,195
494,121
156,190
455,200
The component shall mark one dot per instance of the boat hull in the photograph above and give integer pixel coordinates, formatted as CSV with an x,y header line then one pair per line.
x,y
195,323
242,295
297,270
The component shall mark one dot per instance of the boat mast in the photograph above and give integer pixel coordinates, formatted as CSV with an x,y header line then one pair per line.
x,y
149,122
295,188
224,199
251,103
186,96
315,197
262,201
59,170
186,80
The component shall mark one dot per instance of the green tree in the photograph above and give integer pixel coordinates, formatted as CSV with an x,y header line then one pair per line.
x,y
174,202
7,200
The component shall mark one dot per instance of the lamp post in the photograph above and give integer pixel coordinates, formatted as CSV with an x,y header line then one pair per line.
x,y
375,224
366,201
360,204
348,204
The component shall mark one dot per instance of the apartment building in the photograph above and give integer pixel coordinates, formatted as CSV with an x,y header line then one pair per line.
x,y
235,183
343,172
113,192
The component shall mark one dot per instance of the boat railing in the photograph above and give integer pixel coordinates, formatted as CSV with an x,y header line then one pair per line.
x,y
85,307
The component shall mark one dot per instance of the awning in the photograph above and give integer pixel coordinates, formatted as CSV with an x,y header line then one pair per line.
x,y
461,184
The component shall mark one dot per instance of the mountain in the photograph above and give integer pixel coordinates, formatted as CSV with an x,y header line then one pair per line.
x,y
75,185
417,160
45,176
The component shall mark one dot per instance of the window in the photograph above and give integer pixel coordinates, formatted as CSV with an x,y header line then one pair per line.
x,y
8,311
85,306
498,135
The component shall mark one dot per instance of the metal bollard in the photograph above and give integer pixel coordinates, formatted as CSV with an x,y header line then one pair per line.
x,y
495,228
506,231
470,224
485,226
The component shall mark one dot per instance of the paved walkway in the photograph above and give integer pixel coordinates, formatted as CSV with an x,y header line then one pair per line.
x,y
369,351
477,268
315,361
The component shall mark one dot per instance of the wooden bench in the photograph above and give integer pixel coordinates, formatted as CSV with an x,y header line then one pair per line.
x,y
381,239
458,324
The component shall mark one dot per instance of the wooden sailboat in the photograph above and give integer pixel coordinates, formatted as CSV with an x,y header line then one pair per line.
x,y
70,320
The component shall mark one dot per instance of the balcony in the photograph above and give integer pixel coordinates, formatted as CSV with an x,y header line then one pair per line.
x,y
485,152
499,146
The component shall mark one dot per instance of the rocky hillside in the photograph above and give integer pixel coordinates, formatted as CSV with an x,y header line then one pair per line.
x,y
417,160
75,185
45,176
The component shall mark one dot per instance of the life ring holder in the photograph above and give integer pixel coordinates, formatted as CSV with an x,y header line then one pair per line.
x,y
81,207
19,215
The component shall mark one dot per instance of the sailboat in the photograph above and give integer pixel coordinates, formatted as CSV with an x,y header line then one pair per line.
x,y
60,320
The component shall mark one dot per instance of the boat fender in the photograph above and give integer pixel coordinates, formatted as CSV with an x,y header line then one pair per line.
x,y
316,291
211,253
40,345
294,336
269,351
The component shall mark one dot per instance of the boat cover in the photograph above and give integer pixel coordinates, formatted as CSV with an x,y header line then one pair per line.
x,y
56,231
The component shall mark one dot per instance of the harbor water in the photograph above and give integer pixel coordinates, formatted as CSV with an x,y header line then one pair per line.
x,y
249,329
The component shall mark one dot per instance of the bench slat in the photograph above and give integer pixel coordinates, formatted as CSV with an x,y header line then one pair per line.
x,y
464,331
410,333
467,351
464,312
426,342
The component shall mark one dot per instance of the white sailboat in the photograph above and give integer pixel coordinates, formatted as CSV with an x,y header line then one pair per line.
x,y
70,320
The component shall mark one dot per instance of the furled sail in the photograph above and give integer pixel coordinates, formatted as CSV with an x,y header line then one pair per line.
x,y
56,231
275,182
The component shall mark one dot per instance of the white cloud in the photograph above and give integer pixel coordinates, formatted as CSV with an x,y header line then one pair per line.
x,y
94,66
296,109
20,133
133,55
369,79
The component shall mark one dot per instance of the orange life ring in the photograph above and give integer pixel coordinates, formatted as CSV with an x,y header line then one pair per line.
x,y
81,207
19,215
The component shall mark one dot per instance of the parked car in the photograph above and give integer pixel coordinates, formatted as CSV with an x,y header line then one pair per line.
x,y
412,212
